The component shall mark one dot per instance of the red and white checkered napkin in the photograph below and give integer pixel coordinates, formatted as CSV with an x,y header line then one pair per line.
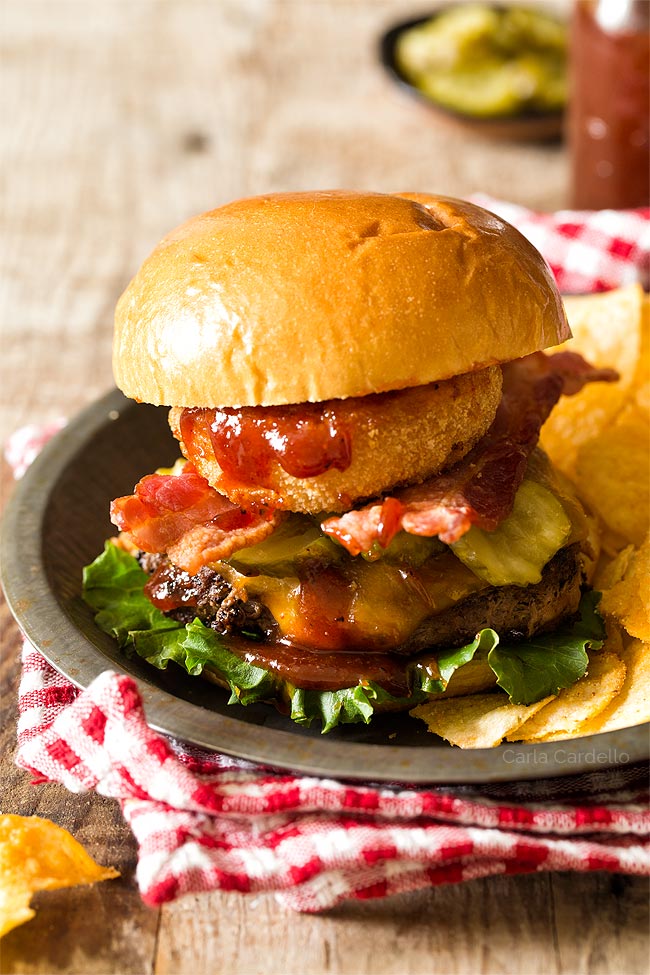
x,y
587,250
204,821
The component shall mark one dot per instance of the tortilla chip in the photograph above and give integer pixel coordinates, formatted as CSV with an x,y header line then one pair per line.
x,y
627,598
478,721
36,854
631,705
565,716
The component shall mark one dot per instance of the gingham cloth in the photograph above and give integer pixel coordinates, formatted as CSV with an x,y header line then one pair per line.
x,y
587,250
204,821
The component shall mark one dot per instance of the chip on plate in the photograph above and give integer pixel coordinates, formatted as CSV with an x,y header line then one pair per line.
x,y
36,854
627,597
473,677
475,721
565,716
642,374
631,705
612,475
607,329
600,439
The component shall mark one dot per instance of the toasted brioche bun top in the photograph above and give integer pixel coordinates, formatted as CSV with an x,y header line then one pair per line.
x,y
302,297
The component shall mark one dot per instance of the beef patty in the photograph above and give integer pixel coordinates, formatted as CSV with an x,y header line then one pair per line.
x,y
516,612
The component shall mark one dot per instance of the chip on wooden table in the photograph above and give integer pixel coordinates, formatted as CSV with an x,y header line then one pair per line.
x,y
565,716
476,721
642,396
36,854
631,706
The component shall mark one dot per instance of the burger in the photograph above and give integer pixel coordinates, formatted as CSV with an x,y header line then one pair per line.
x,y
361,515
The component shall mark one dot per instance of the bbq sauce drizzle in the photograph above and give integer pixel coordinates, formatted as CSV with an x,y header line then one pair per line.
x,y
325,668
305,440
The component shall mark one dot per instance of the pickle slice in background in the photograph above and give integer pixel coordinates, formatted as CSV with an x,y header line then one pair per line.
x,y
483,91
459,35
485,62
521,29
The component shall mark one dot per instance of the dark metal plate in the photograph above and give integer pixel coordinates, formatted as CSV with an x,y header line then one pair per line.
x,y
56,523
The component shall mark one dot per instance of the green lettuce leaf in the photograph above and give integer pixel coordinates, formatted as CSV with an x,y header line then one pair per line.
x,y
544,665
350,705
113,587
450,660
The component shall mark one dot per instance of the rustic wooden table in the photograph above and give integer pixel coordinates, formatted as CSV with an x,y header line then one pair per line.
x,y
120,120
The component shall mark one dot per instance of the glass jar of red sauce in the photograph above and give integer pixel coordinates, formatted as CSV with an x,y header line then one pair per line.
x,y
609,110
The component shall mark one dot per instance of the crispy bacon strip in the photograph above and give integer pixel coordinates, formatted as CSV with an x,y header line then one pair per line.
x,y
181,514
481,488
204,544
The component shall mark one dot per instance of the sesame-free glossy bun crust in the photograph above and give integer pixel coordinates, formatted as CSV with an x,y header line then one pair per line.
x,y
301,297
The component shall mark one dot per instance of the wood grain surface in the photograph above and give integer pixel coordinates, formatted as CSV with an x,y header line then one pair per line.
x,y
122,118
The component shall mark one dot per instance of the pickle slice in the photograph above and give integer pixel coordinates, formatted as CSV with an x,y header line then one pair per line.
x,y
487,62
521,546
296,538
521,29
404,549
552,86
490,89
484,91
456,36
